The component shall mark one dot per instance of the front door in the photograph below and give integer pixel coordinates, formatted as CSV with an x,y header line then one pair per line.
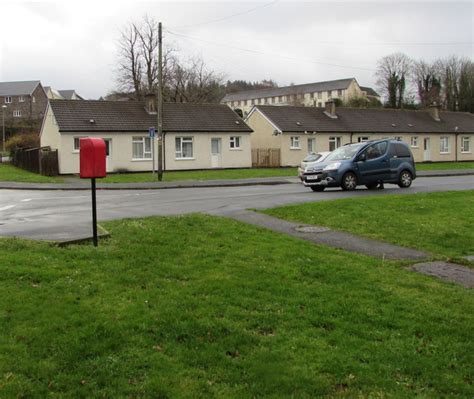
x,y
215,152
108,155
373,163
426,149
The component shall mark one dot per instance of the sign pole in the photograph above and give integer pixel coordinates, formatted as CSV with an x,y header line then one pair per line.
x,y
153,155
94,213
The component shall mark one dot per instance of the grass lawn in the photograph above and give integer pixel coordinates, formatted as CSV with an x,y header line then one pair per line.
x,y
198,306
444,165
440,223
12,173
201,175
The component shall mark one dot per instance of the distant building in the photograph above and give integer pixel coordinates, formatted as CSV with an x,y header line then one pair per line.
x,y
309,94
54,94
370,93
24,101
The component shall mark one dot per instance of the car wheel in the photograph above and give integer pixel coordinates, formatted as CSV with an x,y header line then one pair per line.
x,y
405,179
318,188
372,186
349,181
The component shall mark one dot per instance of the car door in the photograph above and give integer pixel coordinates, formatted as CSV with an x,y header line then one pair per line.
x,y
373,163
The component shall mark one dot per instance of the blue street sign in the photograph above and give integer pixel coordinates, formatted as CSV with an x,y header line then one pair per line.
x,y
151,132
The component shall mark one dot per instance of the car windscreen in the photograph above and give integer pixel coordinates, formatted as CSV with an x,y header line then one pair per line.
x,y
346,152
312,157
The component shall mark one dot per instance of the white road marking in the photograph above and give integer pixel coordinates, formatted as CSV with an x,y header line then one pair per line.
x,y
7,207
26,200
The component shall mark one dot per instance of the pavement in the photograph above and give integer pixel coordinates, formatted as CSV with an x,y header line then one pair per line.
x,y
329,237
78,184
447,271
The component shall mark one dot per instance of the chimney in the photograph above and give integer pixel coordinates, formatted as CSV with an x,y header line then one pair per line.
x,y
150,103
433,110
330,108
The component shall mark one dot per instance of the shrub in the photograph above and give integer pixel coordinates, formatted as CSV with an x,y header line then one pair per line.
x,y
24,140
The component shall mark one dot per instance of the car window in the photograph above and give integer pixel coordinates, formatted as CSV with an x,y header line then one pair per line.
x,y
376,150
401,150
345,152
312,157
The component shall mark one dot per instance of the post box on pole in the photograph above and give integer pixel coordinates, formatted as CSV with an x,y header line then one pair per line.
x,y
92,166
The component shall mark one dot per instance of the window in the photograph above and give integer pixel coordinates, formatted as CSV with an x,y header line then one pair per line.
x,y
398,138
311,145
339,93
76,145
334,142
184,147
281,99
320,95
320,104
8,100
295,143
376,150
400,150
360,139
444,145
21,99
329,93
414,141
17,113
235,142
141,148
33,98
465,144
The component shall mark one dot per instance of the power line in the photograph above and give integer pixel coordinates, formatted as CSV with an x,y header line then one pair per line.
x,y
228,16
266,53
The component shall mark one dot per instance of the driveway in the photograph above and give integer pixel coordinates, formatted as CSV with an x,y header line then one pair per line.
x,y
67,214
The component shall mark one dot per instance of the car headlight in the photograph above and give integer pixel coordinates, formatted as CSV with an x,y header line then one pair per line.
x,y
332,166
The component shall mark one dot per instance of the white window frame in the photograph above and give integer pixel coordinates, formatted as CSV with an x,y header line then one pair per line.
x,y
363,139
21,99
313,145
145,155
444,147
8,100
465,139
295,143
414,142
184,139
234,142
17,113
74,148
337,140
33,99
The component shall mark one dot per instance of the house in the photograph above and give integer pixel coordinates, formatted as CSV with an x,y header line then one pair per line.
x,y
296,131
23,101
54,94
196,136
309,94
371,94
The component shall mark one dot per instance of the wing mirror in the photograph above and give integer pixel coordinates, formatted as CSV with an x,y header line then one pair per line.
x,y
362,157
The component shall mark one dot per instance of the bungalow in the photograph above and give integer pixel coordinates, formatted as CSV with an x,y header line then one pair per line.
x,y
196,136
296,131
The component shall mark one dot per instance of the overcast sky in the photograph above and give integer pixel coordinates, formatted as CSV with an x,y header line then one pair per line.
x,y
73,44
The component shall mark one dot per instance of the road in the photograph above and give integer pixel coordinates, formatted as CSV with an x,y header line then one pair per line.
x,y
62,215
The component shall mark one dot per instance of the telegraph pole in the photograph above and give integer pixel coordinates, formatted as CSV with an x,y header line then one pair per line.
x,y
160,105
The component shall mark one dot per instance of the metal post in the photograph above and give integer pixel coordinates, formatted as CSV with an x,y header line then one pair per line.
x,y
94,213
3,127
152,139
160,105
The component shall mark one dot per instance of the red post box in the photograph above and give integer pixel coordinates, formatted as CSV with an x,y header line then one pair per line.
x,y
92,158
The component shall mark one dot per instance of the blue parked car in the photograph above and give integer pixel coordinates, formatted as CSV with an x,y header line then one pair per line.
x,y
369,163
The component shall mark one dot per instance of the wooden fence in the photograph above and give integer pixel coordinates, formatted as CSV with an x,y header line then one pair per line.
x,y
266,158
43,160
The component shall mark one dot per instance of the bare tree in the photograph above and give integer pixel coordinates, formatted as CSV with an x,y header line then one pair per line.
x,y
392,74
130,64
190,81
428,82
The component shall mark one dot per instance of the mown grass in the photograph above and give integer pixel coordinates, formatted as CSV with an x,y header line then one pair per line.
x,y
215,174
440,223
12,173
444,165
198,306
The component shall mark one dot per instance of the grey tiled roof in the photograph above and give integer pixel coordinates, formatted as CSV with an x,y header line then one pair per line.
x,y
340,84
68,94
18,88
360,120
130,116
369,91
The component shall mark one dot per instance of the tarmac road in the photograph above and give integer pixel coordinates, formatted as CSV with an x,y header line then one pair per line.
x,y
64,215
